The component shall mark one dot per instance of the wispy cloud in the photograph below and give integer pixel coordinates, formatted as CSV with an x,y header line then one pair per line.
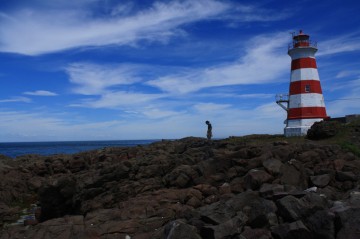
x,y
343,43
156,113
158,124
113,86
119,99
343,106
16,99
95,79
348,103
40,93
255,13
346,73
49,126
56,30
264,62
210,107
120,86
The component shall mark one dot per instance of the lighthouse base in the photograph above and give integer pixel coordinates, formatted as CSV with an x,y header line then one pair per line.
x,y
299,127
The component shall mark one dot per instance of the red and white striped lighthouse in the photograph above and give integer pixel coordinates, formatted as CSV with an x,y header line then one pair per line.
x,y
305,103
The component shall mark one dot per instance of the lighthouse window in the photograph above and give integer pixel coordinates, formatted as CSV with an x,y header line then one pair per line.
x,y
307,88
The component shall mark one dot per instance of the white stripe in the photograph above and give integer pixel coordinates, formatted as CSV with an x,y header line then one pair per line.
x,y
303,52
299,127
306,100
302,122
304,74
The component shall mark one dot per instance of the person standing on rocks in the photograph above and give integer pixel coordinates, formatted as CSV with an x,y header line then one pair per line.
x,y
209,131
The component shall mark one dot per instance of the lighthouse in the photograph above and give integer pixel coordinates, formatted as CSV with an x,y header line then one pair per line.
x,y
305,101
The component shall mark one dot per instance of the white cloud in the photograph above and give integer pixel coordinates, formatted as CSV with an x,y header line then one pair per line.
x,y
94,79
210,107
119,99
262,63
343,43
16,99
40,93
342,107
346,73
254,13
348,103
156,113
57,30
159,124
46,126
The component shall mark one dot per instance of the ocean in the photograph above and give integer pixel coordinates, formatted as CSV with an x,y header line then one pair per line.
x,y
65,147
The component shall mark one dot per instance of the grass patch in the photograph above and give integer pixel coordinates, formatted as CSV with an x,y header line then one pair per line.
x,y
260,139
351,148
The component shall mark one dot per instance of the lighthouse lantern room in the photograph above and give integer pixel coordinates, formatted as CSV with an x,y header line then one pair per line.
x,y
305,102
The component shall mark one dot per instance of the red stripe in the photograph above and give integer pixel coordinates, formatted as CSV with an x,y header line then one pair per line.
x,y
303,63
305,86
307,113
301,44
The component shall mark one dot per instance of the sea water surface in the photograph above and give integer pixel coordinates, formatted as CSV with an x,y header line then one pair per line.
x,y
64,147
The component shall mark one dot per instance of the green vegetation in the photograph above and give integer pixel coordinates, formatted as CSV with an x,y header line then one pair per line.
x,y
258,139
351,148
347,137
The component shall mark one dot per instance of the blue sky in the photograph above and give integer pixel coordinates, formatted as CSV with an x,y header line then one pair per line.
x,y
103,69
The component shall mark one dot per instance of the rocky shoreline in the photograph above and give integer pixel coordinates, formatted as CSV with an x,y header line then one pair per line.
x,y
188,188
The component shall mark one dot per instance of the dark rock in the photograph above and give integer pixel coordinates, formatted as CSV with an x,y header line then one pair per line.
x,y
58,166
345,176
321,180
255,178
347,222
258,210
354,199
76,164
256,233
330,192
216,213
181,176
273,166
8,214
323,130
293,173
237,185
322,224
40,168
66,227
180,230
294,230
284,142
194,202
206,189
268,190
57,198
293,209
225,188
114,173
226,229
247,153
30,222
189,188
34,183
